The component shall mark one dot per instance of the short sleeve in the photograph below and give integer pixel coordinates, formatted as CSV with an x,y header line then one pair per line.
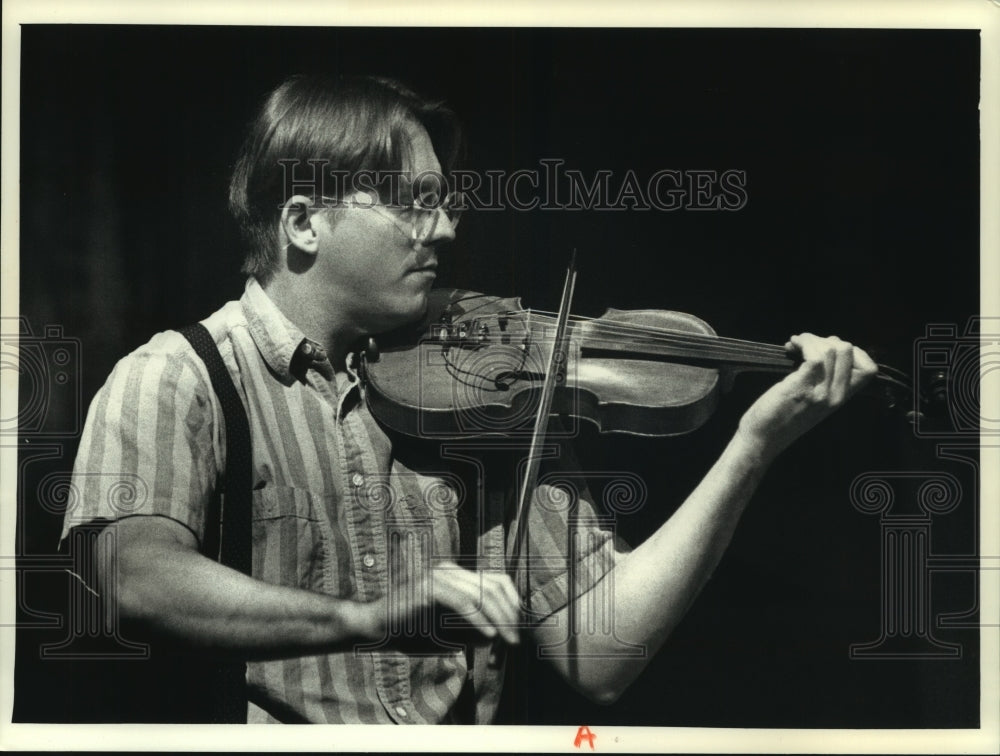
x,y
148,444
571,544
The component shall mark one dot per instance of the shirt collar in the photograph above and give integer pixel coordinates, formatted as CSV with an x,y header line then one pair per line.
x,y
282,345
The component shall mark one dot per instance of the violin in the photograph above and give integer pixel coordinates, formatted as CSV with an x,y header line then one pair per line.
x,y
480,366
476,365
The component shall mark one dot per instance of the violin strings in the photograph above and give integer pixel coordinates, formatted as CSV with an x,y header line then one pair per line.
x,y
654,332
693,344
734,348
716,346
712,345
666,337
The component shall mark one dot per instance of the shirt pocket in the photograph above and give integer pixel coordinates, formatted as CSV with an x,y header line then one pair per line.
x,y
291,541
432,500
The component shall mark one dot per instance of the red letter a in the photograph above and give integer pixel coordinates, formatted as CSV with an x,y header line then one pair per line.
x,y
584,733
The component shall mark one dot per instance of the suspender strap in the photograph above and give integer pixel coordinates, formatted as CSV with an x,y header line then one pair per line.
x,y
228,534
228,522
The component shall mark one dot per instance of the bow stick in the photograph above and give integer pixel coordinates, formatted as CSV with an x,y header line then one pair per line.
x,y
555,374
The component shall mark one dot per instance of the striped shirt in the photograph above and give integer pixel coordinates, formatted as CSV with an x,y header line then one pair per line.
x,y
339,508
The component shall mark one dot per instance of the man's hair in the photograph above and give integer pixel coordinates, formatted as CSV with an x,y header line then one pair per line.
x,y
342,124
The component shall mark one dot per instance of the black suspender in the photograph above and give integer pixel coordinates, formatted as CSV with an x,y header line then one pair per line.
x,y
228,522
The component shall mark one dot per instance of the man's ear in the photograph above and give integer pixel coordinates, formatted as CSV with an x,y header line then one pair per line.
x,y
296,222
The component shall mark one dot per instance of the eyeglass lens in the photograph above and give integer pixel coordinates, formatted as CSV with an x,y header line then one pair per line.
x,y
427,206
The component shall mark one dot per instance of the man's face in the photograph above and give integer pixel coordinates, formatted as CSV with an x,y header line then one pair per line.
x,y
378,275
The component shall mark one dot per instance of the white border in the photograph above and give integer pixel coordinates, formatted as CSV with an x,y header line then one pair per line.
x,y
930,14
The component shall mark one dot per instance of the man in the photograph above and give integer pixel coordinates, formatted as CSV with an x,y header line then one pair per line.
x,y
334,259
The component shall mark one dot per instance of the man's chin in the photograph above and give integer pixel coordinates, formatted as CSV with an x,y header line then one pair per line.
x,y
406,312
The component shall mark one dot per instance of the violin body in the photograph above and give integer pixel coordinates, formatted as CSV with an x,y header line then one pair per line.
x,y
476,365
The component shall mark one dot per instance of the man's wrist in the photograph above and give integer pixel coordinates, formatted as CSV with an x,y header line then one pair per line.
x,y
356,621
750,450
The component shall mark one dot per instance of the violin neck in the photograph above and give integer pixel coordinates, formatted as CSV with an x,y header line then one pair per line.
x,y
729,355
604,338
707,352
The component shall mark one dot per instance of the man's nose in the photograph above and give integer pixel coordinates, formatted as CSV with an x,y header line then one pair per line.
x,y
441,228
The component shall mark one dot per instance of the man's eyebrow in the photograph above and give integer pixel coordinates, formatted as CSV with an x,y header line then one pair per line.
x,y
393,186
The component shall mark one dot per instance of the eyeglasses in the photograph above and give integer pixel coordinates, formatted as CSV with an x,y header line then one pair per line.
x,y
417,220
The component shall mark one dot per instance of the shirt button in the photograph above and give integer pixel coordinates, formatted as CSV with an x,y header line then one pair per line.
x,y
357,479
368,560
401,711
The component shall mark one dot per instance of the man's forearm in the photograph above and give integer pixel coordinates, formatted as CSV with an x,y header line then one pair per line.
x,y
156,578
656,583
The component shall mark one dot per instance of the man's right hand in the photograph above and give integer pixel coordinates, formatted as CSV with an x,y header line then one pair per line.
x,y
487,601
152,573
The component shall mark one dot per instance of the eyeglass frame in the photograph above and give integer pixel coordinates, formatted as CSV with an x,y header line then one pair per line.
x,y
451,205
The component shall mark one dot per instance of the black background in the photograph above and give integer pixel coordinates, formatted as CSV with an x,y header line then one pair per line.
x,y
861,154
